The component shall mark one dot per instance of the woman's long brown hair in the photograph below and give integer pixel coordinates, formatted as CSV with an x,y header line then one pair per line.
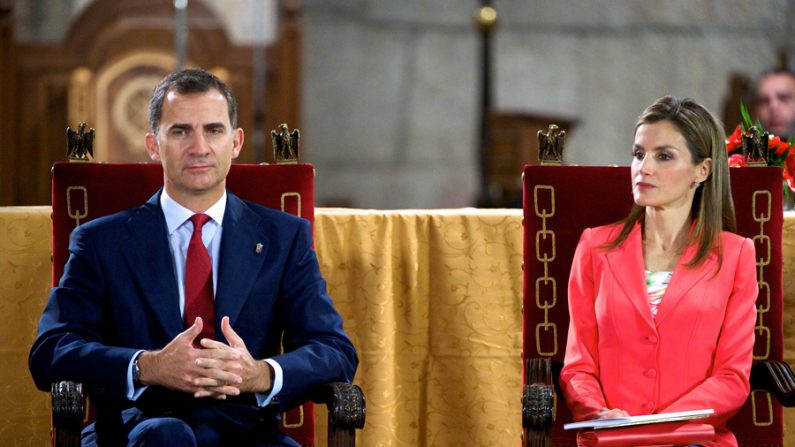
x,y
712,209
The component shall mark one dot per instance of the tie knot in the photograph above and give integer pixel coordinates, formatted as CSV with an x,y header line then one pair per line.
x,y
198,222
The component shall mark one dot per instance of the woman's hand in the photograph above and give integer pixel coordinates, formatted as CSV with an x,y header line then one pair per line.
x,y
612,414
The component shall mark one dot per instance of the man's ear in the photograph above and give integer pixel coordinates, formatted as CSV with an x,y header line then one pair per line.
x,y
152,146
237,142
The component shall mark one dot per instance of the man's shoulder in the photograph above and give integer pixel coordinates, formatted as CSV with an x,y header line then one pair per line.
x,y
116,221
271,215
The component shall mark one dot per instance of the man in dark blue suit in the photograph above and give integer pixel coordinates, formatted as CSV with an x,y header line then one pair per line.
x,y
177,360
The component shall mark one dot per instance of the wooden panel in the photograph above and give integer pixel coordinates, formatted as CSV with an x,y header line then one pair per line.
x,y
104,35
512,143
7,88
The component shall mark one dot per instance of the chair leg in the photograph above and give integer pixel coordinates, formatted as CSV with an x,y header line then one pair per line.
x,y
341,437
535,439
538,408
68,410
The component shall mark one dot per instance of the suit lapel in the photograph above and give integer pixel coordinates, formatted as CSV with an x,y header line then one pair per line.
x,y
149,258
683,280
628,268
241,259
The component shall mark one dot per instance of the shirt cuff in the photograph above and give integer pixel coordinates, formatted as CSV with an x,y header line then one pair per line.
x,y
133,393
263,399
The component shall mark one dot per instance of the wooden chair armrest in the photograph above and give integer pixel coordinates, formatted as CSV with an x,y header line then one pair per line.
x,y
346,412
68,413
538,397
777,378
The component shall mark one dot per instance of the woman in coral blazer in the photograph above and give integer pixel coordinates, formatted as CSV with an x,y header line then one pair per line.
x,y
662,305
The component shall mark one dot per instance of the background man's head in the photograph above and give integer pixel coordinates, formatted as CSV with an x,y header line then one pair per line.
x,y
190,80
775,102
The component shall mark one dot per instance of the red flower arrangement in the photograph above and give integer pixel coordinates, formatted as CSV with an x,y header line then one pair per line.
x,y
779,155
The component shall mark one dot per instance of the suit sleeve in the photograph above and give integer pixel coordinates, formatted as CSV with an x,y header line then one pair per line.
x,y
579,379
69,344
316,348
727,388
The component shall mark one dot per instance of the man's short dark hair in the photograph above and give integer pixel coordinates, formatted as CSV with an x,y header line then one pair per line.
x,y
189,80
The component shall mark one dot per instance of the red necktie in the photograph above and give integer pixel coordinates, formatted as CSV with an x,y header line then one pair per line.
x,y
199,300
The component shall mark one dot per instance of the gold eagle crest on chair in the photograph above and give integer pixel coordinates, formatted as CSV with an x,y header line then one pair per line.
x,y
550,146
80,143
285,145
755,146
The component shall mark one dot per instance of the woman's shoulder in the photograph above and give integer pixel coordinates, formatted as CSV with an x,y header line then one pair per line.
x,y
602,234
736,248
733,239
739,251
733,242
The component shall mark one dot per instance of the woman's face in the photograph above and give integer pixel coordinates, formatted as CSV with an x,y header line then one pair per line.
x,y
663,173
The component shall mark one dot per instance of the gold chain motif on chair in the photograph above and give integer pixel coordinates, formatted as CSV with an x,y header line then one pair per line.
x,y
298,424
761,202
284,197
76,214
545,258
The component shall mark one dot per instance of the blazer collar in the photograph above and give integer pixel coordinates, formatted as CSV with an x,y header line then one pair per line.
x,y
149,258
628,267
244,248
683,279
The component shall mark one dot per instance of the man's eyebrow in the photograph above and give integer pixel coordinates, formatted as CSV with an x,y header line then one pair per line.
x,y
180,126
215,125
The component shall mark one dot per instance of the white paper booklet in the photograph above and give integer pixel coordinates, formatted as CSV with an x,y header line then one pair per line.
x,y
640,420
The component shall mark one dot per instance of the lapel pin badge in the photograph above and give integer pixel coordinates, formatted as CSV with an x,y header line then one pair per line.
x,y
258,248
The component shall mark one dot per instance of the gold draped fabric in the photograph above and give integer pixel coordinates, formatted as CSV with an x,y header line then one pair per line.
x,y
789,313
432,302
789,298
24,282
431,299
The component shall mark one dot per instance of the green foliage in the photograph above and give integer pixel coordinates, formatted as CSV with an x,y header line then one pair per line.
x,y
747,123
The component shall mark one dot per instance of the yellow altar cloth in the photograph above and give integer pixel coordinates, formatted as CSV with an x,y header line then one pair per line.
x,y
430,298
25,272
432,301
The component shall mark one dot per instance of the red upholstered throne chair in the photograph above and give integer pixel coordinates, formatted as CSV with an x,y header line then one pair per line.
x,y
85,191
559,203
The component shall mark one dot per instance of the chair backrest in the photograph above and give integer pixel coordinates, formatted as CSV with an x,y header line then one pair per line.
x,y
561,201
84,191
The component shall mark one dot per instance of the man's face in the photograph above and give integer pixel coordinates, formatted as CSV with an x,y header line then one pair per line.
x,y
195,144
775,104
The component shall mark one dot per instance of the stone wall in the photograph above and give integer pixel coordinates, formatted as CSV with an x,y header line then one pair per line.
x,y
391,87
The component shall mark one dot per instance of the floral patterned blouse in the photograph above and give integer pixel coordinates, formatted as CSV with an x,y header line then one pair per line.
x,y
656,283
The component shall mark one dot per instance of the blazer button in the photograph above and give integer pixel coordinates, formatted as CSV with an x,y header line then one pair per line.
x,y
650,373
651,339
